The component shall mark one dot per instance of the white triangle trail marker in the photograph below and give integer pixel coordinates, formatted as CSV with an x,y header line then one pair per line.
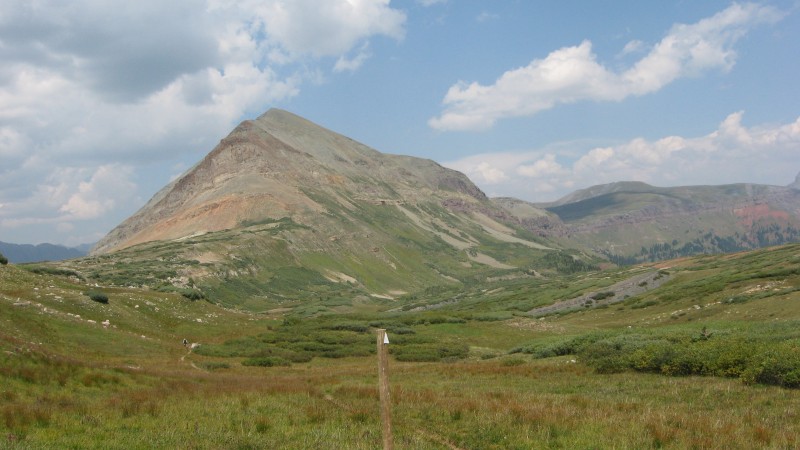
x,y
386,338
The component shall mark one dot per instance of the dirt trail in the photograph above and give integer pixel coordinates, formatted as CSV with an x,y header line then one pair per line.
x,y
183,359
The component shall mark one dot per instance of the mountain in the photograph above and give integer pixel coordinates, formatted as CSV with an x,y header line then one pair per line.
x,y
24,253
632,222
281,165
285,208
796,184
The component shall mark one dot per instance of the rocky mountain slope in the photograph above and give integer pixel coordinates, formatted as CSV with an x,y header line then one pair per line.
x,y
281,165
631,222
285,209
282,200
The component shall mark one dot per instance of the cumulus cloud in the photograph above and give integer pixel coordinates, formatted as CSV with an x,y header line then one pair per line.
x,y
763,154
430,2
351,64
572,74
329,28
99,194
71,195
542,167
87,84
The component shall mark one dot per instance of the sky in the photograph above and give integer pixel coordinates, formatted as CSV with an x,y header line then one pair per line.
x,y
103,103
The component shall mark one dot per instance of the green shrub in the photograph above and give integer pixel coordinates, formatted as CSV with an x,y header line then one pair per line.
x,y
493,316
47,270
349,326
215,365
571,345
512,361
429,352
3,259
189,293
603,295
192,294
754,355
266,361
400,330
98,296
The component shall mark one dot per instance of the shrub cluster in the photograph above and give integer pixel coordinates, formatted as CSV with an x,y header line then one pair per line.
x,y
773,363
429,352
266,361
759,354
47,270
98,296
215,365
3,259
564,346
603,295
298,341
189,293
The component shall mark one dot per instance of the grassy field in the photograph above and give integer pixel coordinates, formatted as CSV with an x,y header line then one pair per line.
x,y
709,359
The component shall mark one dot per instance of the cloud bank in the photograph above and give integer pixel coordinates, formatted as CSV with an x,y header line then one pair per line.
x,y
765,154
573,74
93,91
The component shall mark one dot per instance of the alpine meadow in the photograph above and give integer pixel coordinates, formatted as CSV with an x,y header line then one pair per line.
x,y
238,308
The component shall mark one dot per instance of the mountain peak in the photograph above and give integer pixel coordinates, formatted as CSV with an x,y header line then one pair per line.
x,y
603,189
281,165
796,184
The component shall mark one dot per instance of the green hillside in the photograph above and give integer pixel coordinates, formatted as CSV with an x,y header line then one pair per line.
x,y
631,223
709,358
282,264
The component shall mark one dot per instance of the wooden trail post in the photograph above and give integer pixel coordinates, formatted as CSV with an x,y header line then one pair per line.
x,y
383,388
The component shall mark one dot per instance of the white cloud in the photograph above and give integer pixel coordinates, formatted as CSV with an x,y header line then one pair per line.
x,y
545,166
490,174
431,2
572,74
486,16
87,84
99,194
344,64
764,154
71,195
634,46
329,28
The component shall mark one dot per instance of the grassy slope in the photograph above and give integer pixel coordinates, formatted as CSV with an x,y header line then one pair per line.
x,y
68,382
374,251
699,229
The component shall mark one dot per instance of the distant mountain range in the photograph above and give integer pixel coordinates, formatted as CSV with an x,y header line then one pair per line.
x,y
631,222
284,208
24,253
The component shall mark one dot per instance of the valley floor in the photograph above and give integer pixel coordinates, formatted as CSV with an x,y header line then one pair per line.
x,y
509,402
77,373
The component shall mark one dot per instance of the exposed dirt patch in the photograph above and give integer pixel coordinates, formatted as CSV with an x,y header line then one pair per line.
x,y
488,261
615,293
534,325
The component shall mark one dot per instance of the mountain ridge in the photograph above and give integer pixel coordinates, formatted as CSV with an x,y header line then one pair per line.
x,y
281,198
279,153
27,253
633,222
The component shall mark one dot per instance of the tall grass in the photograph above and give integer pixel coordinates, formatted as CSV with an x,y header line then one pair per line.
x,y
581,380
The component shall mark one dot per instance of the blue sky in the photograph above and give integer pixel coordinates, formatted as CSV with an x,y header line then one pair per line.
x,y
103,103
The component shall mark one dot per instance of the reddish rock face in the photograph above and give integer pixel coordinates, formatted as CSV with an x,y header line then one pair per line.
x,y
752,214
